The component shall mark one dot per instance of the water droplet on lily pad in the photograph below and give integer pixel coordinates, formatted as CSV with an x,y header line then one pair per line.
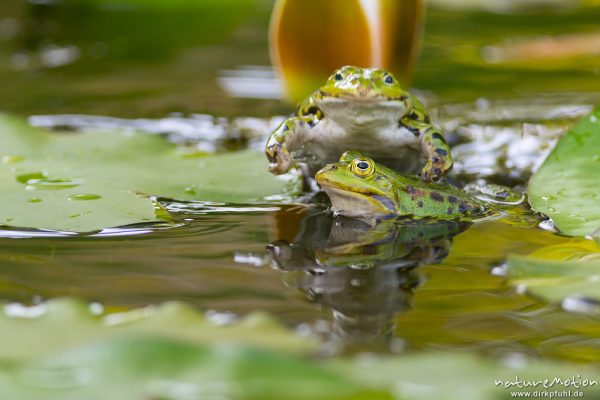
x,y
88,196
25,178
190,190
41,181
52,183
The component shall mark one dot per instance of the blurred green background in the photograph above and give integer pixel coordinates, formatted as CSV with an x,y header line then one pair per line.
x,y
151,58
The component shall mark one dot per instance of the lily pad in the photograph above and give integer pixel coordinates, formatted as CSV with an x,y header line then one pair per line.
x,y
166,352
566,187
555,273
159,368
77,205
90,181
29,332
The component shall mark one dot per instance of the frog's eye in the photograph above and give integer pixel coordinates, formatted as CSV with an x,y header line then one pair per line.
x,y
338,77
362,167
388,79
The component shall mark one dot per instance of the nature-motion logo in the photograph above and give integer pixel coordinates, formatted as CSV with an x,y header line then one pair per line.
x,y
548,383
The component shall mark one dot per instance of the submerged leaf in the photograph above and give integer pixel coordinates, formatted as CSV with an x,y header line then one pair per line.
x,y
566,187
90,181
559,272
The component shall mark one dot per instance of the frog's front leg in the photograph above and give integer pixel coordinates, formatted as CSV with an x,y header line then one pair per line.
x,y
289,136
437,153
434,146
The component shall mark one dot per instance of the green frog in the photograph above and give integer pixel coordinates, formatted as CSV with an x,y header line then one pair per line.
x,y
358,187
360,108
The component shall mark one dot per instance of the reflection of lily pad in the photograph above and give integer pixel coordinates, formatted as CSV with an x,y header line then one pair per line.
x,y
89,181
554,273
566,187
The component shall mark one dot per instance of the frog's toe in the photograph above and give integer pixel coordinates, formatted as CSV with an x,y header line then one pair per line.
x,y
431,175
279,169
433,171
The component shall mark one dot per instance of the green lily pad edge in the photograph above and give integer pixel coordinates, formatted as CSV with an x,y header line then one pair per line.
x,y
566,187
89,181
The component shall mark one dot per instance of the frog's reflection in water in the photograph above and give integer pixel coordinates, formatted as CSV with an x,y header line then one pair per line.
x,y
365,273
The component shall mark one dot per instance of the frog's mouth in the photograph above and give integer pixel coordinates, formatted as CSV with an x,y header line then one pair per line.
x,y
356,204
360,96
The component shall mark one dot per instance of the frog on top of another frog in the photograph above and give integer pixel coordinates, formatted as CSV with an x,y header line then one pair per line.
x,y
366,109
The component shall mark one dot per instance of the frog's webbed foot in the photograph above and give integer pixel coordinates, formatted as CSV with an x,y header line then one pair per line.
x,y
496,194
436,167
288,137
279,158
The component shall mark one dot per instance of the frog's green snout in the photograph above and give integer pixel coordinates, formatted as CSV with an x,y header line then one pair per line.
x,y
361,86
321,175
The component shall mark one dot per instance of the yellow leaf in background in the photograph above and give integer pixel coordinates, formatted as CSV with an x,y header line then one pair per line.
x,y
307,46
402,28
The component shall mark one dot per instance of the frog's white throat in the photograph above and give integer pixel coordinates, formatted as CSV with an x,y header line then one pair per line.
x,y
354,113
350,204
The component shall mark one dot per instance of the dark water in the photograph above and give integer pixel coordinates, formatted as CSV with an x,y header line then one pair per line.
x,y
395,287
